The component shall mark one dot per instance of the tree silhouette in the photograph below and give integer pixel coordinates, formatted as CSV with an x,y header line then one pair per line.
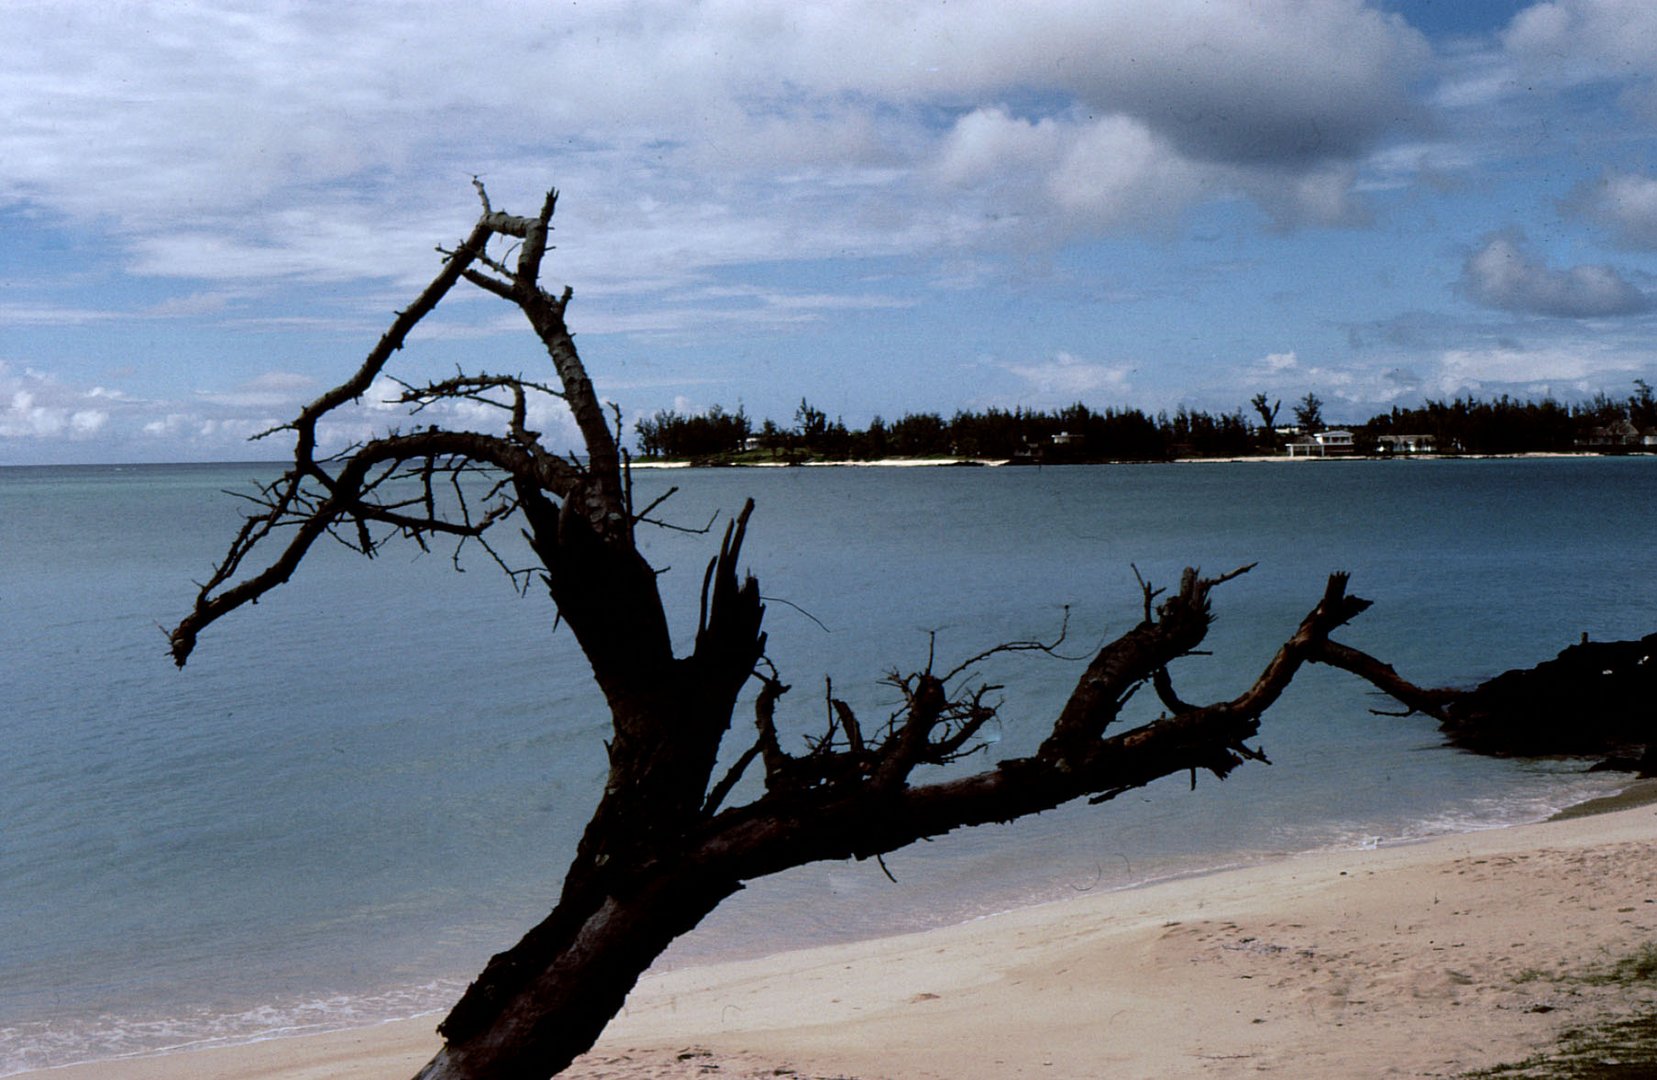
x,y
1309,413
667,842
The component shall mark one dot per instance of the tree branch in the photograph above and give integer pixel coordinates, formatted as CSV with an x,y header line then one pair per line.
x,y
1384,678
316,497
662,849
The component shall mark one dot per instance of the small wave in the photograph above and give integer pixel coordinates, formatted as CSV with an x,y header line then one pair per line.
x,y
107,1036
1527,805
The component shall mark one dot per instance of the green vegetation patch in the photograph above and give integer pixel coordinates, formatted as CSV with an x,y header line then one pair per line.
x,y
1640,966
1624,1050
1617,1050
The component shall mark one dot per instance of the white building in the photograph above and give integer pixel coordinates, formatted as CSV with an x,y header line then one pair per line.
x,y
1407,444
1322,444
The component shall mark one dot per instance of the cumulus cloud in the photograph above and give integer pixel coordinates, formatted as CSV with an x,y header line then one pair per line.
x,y
1170,105
1575,42
1465,368
250,155
34,405
1063,177
983,146
1321,196
287,138
1504,274
1257,84
1116,171
1625,204
1067,172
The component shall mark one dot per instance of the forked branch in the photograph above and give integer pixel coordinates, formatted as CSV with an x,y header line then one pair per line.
x,y
663,848
369,485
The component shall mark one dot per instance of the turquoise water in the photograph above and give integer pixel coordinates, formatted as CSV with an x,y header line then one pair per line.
x,y
362,787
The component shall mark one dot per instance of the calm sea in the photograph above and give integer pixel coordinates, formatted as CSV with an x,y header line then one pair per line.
x,y
365,785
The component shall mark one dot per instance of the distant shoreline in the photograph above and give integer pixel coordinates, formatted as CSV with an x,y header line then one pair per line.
x,y
886,463
995,463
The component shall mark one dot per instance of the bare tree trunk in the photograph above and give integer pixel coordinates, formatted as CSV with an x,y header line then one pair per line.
x,y
541,1004
568,977
662,849
630,890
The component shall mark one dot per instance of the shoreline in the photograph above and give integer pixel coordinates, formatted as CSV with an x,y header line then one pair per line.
x,y
1241,459
1295,941
1637,793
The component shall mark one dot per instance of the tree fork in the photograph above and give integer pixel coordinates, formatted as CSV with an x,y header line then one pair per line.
x,y
662,850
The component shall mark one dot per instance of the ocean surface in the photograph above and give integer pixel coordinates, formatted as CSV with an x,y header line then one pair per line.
x,y
362,787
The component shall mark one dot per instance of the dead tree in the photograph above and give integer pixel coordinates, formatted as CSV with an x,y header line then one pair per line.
x,y
663,848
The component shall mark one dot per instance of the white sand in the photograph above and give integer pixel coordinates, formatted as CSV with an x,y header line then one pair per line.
x,y
1416,960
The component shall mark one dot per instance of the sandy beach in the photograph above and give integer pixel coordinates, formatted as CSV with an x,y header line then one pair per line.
x,y
1416,960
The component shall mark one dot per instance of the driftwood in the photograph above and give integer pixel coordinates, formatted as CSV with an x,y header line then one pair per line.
x,y
665,845
1593,700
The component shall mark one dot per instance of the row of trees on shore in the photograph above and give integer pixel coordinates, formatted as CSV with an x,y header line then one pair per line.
x,y
1469,425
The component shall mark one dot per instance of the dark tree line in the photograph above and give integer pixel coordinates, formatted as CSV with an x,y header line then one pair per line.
x,y
1507,425
676,830
1501,426
1076,433
1079,433
671,434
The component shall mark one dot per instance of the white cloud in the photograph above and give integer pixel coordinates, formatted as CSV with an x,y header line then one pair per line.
x,y
1258,84
23,314
1568,370
34,405
87,421
245,156
270,389
1504,274
1117,172
218,424
1066,378
1585,39
1285,376
1568,43
1062,177
282,143
988,146
1320,196
1623,203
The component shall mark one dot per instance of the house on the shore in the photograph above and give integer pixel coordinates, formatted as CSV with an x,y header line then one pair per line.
x,y
1323,444
1619,435
1406,444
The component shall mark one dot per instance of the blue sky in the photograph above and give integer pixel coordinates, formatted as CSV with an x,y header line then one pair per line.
x,y
209,212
